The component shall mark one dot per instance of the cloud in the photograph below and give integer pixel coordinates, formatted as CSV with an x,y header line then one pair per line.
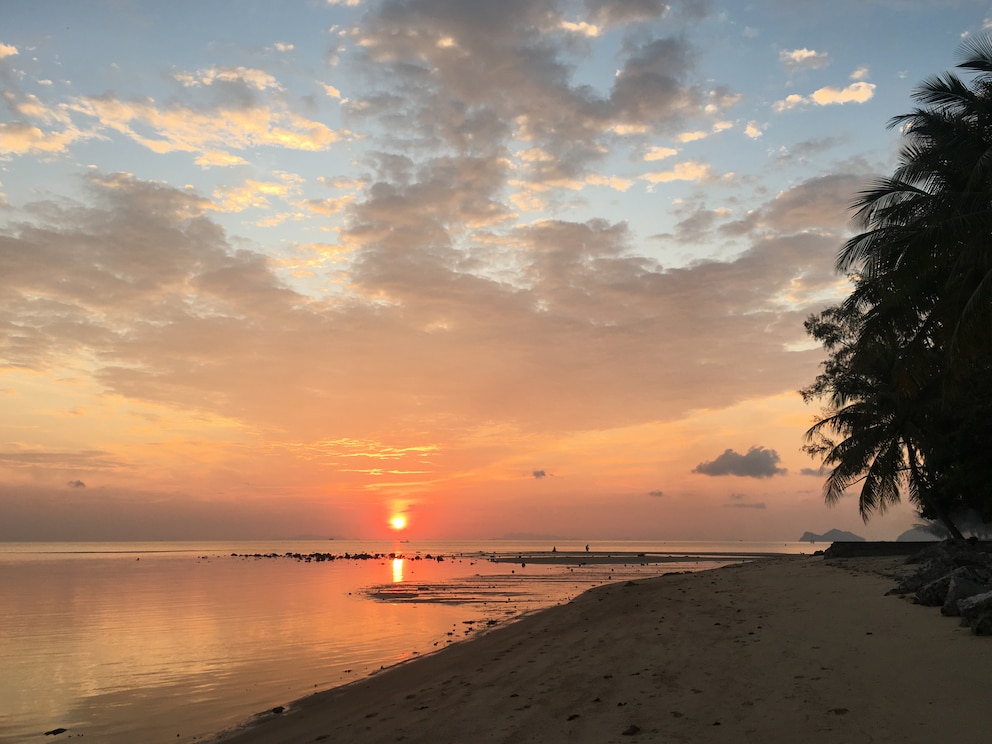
x,y
522,86
858,92
7,50
429,276
21,138
822,203
758,462
255,194
621,12
538,474
582,28
245,76
690,170
40,129
656,494
800,59
817,472
60,460
791,101
698,224
660,153
238,120
219,158
753,130
76,484
746,505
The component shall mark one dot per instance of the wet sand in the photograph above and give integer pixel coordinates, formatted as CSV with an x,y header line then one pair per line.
x,y
793,649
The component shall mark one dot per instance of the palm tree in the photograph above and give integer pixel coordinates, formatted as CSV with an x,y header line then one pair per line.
x,y
911,351
924,260
879,412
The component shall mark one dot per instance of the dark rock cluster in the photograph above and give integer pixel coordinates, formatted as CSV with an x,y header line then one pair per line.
x,y
955,576
321,557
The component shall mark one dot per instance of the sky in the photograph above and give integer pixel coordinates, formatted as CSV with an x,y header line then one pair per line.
x,y
486,269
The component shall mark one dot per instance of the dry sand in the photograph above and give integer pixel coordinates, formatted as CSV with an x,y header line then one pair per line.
x,y
787,650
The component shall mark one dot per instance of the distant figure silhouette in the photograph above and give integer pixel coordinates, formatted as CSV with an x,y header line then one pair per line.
x,y
554,549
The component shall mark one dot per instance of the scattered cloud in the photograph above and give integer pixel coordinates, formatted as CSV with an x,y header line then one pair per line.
x,y
612,13
177,127
76,484
582,28
758,462
538,474
754,130
803,59
858,92
656,494
7,50
690,170
660,153
218,158
246,76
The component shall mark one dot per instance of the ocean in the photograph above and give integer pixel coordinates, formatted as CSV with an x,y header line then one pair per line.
x,y
174,642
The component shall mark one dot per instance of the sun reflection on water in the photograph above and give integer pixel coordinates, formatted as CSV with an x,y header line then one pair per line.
x,y
397,570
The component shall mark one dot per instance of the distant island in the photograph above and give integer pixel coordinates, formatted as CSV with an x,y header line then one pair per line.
x,y
919,534
831,536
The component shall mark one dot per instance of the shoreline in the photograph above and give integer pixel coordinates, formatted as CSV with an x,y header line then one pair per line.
x,y
774,650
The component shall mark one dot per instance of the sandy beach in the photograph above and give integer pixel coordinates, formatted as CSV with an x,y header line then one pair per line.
x,y
793,649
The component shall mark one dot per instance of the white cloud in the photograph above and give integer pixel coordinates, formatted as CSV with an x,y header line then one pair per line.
x,y
797,59
692,136
753,130
20,138
179,128
331,90
859,92
219,158
583,28
660,153
690,170
285,47
613,182
789,102
860,73
6,50
253,78
854,93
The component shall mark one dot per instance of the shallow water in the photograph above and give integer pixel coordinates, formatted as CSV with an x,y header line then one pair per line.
x,y
173,642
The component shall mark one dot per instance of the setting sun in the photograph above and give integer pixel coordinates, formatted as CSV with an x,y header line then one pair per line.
x,y
398,522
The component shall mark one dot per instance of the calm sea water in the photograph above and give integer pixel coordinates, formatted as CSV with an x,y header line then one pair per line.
x,y
173,642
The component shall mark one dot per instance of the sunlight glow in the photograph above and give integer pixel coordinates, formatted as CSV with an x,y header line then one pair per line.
x,y
398,522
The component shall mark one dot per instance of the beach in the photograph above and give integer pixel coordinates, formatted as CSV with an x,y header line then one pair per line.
x,y
777,650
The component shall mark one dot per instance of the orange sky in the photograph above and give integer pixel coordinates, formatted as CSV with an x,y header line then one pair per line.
x,y
540,271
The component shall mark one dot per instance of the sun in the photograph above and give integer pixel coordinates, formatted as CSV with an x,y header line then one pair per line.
x,y
398,522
